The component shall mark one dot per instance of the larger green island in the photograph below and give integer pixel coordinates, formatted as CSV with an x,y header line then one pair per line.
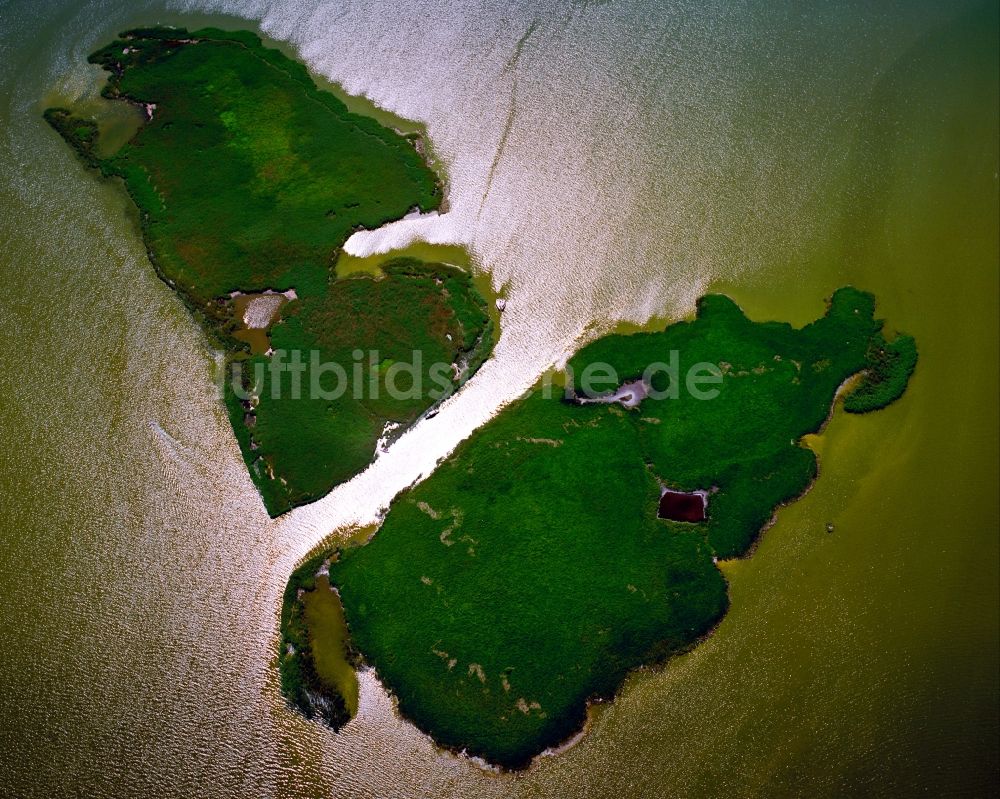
x,y
248,180
569,542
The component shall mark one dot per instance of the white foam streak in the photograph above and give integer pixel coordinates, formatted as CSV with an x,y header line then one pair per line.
x,y
432,228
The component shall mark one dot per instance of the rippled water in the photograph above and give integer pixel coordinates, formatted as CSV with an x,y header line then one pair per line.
x,y
606,163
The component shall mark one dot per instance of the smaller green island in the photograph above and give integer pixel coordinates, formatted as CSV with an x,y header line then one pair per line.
x,y
575,537
248,180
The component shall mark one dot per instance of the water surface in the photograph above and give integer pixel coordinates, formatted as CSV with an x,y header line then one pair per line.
x,y
607,163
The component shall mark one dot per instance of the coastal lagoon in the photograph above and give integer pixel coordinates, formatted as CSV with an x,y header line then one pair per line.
x,y
606,164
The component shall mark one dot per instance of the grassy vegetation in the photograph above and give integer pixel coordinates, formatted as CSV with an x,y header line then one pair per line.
x,y
247,175
530,572
311,443
316,660
247,178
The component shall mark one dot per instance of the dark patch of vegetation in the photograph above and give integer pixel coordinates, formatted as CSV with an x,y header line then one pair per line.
x,y
247,178
80,134
530,573
890,365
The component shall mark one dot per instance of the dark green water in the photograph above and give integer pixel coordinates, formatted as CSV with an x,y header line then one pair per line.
x,y
650,153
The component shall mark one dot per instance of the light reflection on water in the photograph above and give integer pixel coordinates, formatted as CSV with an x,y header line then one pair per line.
x,y
605,162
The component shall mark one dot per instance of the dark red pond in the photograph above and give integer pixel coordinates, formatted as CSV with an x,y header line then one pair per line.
x,y
681,507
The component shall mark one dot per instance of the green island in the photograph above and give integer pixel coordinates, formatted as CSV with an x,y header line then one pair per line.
x,y
532,571
248,180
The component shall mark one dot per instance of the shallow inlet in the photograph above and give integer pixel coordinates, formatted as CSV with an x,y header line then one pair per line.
x,y
257,311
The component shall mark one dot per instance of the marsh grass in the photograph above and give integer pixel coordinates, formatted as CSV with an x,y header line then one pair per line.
x,y
530,573
249,178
